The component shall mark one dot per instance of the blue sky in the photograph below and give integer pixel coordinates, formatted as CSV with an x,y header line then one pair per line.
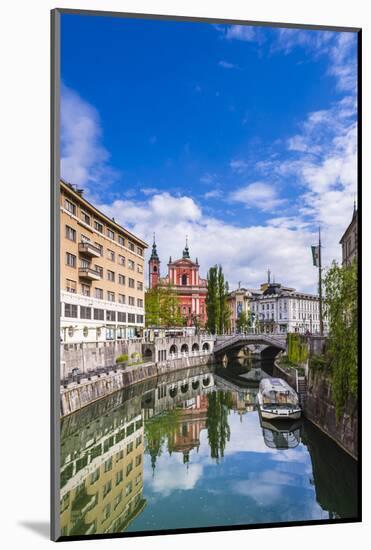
x,y
242,137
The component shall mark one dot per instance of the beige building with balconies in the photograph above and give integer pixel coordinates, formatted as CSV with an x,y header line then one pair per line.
x,y
102,273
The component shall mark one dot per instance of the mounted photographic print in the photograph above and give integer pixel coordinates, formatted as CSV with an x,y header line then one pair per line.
x,y
206,245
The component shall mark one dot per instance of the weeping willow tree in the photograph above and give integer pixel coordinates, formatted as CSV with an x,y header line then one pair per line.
x,y
297,348
159,432
218,430
341,303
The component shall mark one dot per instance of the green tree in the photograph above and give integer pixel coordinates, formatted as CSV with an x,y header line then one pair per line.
x,y
218,313
218,430
162,307
244,322
341,302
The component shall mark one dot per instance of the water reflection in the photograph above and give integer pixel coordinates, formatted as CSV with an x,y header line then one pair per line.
x,y
190,450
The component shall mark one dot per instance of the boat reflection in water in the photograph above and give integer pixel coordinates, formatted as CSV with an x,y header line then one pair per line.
x,y
284,434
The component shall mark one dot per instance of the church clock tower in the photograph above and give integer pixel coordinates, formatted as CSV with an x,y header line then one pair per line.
x,y
154,266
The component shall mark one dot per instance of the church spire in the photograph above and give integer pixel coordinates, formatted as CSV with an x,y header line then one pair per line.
x,y
154,255
186,250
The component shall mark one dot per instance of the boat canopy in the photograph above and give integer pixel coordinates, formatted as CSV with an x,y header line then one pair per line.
x,y
277,391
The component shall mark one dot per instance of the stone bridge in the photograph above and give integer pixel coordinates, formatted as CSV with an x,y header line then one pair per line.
x,y
175,347
233,344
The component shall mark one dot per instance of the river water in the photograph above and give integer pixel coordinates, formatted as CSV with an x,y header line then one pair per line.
x,y
189,450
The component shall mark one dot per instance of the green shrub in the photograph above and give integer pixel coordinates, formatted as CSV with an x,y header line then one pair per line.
x,y
122,358
319,362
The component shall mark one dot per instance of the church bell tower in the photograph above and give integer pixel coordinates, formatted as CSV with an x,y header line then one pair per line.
x,y
154,266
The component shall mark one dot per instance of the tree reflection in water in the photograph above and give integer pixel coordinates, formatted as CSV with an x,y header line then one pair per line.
x,y
218,430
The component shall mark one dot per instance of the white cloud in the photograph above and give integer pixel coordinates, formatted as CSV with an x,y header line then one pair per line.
x,y
238,166
240,32
167,480
84,159
244,252
215,194
149,190
258,195
227,65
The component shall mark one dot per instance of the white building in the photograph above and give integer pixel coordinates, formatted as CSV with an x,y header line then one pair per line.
x,y
282,309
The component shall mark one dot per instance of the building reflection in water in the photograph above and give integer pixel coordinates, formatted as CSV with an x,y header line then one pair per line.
x,y
102,475
103,447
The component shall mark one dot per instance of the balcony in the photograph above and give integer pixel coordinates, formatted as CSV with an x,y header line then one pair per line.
x,y
89,249
89,274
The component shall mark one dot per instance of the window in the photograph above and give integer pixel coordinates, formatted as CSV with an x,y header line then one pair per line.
x,y
85,218
98,226
110,315
139,268
110,296
110,275
129,468
139,251
70,233
119,477
100,246
99,270
131,283
107,488
119,455
94,476
108,465
138,441
85,332
131,318
110,333
128,488
85,290
138,460
70,310
69,206
139,285
122,279
129,448
71,331
85,312
106,511
138,479
121,316
111,255
84,238
70,259
139,302
71,286
131,301
131,246
98,314
131,265
140,319
110,234
117,500
99,293
184,279
121,260
122,299
84,263
121,240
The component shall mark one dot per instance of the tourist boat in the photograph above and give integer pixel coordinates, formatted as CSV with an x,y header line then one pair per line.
x,y
277,400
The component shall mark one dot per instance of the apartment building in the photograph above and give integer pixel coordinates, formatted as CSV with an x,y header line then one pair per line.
x,y
101,273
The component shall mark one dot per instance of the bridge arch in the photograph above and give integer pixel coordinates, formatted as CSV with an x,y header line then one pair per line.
x,y
173,349
206,346
195,347
184,348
